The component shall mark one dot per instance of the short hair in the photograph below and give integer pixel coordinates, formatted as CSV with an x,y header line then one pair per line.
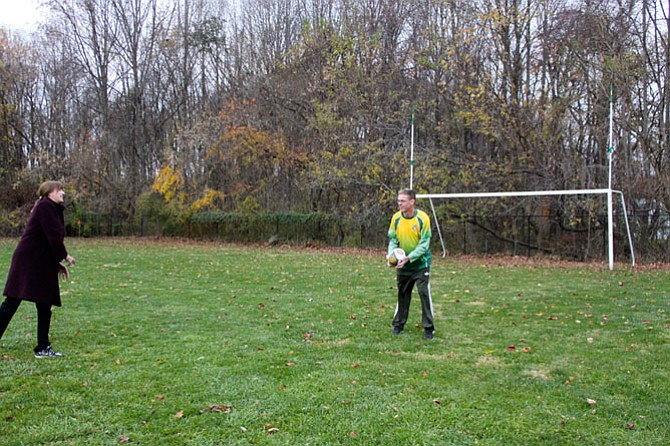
x,y
409,192
49,186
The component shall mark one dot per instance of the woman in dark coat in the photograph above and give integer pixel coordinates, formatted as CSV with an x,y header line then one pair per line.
x,y
33,274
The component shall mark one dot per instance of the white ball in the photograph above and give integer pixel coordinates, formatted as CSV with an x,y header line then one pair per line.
x,y
397,255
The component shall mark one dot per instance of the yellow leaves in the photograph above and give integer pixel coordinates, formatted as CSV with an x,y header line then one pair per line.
x,y
210,200
168,183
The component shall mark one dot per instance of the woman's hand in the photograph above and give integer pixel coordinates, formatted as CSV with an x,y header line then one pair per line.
x,y
63,272
69,259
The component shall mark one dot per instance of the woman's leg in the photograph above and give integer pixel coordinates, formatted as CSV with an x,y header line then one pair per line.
x,y
43,326
7,310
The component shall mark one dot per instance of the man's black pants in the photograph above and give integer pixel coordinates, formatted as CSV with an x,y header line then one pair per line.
x,y
406,281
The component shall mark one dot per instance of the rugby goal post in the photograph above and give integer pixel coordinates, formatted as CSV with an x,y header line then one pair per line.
x,y
608,192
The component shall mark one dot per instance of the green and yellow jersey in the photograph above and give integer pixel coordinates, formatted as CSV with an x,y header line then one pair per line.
x,y
413,236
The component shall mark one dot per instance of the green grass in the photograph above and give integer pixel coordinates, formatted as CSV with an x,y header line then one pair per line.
x,y
161,338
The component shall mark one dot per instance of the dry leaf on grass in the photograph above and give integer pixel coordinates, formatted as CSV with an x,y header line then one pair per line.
x,y
217,408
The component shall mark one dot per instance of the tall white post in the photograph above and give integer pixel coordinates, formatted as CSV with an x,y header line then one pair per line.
x,y
610,223
411,155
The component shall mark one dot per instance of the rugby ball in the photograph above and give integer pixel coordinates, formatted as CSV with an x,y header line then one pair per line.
x,y
396,256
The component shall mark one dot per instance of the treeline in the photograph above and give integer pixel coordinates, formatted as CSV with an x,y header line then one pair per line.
x,y
159,114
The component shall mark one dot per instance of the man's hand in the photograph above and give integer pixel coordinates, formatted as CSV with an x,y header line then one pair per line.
x,y
402,263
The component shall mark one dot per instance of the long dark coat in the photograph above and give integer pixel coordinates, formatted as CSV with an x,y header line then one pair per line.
x,y
33,274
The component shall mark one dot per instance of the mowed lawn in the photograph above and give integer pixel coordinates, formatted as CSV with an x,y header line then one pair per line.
x,y
180,343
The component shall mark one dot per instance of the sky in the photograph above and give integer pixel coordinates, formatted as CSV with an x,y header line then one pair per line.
x,y
20,14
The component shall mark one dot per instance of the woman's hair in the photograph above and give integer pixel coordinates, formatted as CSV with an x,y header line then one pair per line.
x,y
49,186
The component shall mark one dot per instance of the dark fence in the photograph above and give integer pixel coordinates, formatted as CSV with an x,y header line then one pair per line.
x,y
583,238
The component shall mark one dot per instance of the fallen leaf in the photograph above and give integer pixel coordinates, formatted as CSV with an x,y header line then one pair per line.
x,y
272,430
437,401
630,426
356,365
289,364
591,402
218,408
179,414
526,350
124,440
511,348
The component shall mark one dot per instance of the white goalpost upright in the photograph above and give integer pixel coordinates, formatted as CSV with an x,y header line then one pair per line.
x,y
411,155
608,191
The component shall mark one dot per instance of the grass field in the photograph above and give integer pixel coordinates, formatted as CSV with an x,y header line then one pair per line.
x,y
204,344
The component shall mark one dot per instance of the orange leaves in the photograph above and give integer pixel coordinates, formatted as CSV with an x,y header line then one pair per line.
x,y
525,349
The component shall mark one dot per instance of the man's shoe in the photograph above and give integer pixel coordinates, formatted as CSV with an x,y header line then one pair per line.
x,y
429,333
48,353
396,330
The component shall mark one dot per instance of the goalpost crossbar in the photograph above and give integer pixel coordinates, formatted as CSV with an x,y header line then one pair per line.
x,y
515,194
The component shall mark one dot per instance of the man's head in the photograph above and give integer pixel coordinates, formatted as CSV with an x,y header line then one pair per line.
x,y
406,202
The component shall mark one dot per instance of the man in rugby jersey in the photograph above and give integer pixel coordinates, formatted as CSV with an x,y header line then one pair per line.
x,y
410,230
